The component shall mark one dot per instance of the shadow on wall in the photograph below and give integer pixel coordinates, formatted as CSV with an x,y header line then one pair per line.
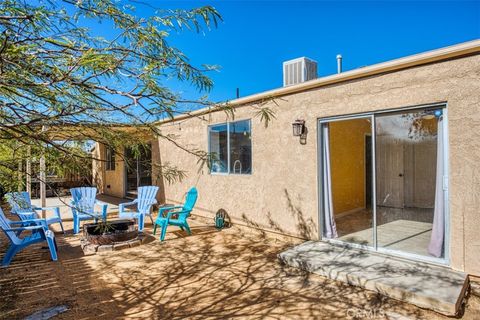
x,y
304,227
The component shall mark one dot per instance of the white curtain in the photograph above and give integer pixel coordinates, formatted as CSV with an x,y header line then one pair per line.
x,y
435,248
329,220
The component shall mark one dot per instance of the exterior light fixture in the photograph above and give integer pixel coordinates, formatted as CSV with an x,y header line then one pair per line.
x,y
298,128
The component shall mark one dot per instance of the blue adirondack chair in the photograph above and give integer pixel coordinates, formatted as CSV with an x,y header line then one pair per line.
x,y
39,233
181,213
145,199
22,206
83,206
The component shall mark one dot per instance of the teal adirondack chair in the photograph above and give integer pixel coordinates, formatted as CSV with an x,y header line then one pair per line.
x,y
83,206
22,206
39,233
146,199
182,213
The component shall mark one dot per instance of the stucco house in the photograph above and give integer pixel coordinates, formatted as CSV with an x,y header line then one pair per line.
x,y
386,157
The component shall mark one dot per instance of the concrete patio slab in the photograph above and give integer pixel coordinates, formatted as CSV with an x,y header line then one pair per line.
x,y
433,287
211,274
64,204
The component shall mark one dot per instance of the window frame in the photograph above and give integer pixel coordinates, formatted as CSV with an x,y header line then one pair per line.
x,y
229,172
110,163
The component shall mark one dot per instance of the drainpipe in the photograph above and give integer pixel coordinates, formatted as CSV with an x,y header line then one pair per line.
x,y
339,63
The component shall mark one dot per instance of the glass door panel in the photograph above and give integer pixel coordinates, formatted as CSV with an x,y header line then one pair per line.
x,y
406,176
347,166
138,169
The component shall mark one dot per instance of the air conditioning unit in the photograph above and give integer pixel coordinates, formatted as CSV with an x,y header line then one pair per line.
x,y
299,70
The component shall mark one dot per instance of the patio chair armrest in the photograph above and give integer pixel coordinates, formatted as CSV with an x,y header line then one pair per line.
x,y
44,208
42,222
104,208
171,213
24,214
56,210
169,208
100,203
122,206
162,210
25,228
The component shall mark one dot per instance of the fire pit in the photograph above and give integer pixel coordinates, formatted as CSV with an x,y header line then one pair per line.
x,y
116,231
115,235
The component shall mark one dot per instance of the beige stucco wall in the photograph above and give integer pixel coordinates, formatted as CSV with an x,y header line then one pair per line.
x,y
110,182
281,193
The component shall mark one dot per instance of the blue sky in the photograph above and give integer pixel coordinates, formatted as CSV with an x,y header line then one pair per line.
x,y
257,36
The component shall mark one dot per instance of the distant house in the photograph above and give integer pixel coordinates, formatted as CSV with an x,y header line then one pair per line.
x,y
386,157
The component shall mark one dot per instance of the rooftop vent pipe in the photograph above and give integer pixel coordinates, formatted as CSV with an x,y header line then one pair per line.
x,y
339,63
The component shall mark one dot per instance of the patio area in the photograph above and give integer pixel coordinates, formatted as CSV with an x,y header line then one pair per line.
x,y
234,273
64,204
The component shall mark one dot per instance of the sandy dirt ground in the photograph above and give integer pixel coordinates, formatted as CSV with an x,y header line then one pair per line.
x,y
228,274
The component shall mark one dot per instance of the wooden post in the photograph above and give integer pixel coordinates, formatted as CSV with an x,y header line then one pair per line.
x,y
28,170
43,181
20,176
43,185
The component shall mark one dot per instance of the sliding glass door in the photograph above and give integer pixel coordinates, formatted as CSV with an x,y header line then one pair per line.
x,y
383,179
138,169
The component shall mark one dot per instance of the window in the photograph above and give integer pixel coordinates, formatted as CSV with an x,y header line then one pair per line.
x,y
230,147
110,159
218,138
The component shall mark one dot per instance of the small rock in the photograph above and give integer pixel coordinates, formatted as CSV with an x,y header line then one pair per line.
x,y
83,243
120,245
90,249
134,243
142,238
105,248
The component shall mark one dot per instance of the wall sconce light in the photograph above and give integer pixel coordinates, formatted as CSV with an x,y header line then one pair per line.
x,y
300,130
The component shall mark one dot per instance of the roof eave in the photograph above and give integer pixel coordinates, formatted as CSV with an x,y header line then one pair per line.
x,y
446,53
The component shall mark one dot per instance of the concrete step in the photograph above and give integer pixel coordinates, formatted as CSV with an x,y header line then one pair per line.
x,y
428,286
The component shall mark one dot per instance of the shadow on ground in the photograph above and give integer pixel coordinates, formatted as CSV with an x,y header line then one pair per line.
x,y
212,274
